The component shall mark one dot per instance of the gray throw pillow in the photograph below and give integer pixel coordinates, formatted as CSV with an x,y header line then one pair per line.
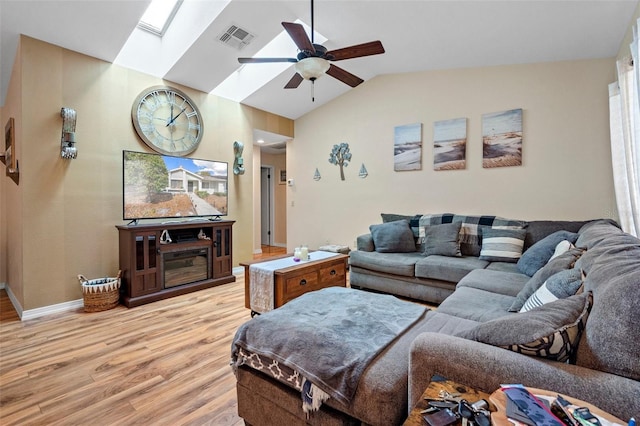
x,y
442,239
559,286
536,256
393,237
502,245
550,331
564,261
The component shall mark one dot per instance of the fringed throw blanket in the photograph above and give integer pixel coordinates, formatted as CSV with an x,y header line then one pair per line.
x,y
329,336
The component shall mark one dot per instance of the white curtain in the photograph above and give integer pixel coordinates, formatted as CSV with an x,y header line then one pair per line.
x,y
624,110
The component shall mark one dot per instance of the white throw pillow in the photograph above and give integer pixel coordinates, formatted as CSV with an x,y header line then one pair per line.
x,y
562,247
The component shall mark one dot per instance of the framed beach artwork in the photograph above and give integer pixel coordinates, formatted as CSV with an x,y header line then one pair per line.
x,y
407,147
450,144
502,139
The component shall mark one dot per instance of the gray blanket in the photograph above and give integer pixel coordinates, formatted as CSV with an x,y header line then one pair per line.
x,y
329,335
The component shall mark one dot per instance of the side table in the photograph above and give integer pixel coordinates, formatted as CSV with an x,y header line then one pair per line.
x,y
433,392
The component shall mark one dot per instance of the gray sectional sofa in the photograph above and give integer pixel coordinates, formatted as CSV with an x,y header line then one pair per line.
x,y
433,278
583,345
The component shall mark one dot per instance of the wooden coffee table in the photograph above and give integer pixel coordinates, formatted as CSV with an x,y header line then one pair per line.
x,y
303,277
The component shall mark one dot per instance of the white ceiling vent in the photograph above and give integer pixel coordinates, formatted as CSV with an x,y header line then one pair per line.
x,y
236,37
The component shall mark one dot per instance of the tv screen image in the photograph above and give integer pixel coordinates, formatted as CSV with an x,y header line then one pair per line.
x,y
159,186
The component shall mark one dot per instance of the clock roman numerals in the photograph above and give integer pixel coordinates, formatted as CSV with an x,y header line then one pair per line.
x,y
167,120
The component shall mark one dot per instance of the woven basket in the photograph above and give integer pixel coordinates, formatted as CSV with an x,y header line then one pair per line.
x,y
100,294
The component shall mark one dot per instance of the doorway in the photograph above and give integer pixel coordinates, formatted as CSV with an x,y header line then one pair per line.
x,y
266,205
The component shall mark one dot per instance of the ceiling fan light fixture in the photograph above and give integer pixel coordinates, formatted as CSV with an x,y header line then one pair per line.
x,y
312,68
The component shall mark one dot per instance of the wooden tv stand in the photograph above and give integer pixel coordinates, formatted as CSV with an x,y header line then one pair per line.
x,y
153,271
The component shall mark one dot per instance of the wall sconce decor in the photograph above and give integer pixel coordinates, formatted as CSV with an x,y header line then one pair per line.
x,y
238,162
363,172
316,175
340,156
8,157
68,148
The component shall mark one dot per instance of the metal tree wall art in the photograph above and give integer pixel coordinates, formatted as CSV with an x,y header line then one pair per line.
x,y
340,156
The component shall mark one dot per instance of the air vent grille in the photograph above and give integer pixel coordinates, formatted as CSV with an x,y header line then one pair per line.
x,y
236,37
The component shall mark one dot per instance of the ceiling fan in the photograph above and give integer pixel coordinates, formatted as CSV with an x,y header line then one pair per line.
x,y
312,60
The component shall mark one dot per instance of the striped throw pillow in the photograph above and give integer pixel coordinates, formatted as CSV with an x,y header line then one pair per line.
x,y
558,286
502,245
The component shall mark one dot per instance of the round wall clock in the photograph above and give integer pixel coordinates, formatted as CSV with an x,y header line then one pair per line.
x,y
167,120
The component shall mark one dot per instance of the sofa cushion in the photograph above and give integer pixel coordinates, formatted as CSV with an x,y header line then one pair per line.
x,y
393,237
560,263
499,282
559,286
476,305
504,267
472,226
392,263
536,256
538,229
596,231
550,331
447,268
442,239
612,268
502,245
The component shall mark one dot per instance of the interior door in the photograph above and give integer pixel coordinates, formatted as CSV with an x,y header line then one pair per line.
x,y
266,204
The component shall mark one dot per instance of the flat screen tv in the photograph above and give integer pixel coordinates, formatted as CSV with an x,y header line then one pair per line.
x,y
159,186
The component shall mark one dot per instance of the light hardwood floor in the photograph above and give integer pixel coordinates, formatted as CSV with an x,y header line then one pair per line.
x,y
165,363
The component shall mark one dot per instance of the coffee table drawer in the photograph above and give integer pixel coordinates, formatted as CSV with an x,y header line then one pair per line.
x,y
300,284
333,273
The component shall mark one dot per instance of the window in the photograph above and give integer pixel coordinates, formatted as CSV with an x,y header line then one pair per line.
x,y
158,16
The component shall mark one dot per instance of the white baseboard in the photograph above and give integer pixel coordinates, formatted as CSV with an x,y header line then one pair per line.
x,y
14,300
52,309
2,286
41,312
237,270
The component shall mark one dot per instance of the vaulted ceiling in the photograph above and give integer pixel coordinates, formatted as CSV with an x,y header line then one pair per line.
x,y
417,35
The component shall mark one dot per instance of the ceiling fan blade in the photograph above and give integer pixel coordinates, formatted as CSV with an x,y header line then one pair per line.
x,y
356,51
299,36
344,76
294,82
265,60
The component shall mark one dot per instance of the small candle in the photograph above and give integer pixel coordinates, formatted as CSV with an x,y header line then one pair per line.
x,y
304,253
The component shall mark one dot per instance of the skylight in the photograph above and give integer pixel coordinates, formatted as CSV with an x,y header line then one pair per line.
x,y
158,16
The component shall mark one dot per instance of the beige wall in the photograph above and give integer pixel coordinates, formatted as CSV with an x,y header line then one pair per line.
x,y
11,210
566,171
61,218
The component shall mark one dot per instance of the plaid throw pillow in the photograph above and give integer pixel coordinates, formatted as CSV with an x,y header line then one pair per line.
x,y
471,229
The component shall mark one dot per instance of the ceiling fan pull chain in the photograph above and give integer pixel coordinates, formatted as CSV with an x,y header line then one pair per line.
x,y
313,85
